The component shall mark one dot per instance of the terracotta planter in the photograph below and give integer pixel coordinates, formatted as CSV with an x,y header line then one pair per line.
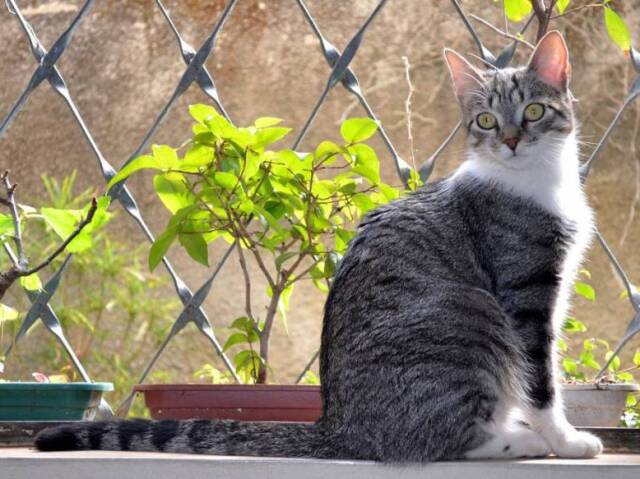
x,y
240,402
596,405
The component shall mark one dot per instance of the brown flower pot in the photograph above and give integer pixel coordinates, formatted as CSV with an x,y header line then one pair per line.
x,y
237,401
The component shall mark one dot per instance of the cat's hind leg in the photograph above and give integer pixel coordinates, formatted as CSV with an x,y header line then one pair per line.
x,y
509,443
507,438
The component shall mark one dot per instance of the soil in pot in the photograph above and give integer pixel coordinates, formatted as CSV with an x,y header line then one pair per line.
x,y
237,401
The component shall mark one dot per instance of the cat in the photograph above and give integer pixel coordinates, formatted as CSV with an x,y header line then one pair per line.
x,y
439,329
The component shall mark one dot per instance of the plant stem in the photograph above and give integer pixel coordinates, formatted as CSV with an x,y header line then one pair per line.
x,y
266,334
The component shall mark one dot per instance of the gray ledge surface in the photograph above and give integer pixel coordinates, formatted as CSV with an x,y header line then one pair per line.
x,y
19,463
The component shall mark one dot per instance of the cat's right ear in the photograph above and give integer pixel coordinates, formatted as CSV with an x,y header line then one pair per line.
x,y
465,77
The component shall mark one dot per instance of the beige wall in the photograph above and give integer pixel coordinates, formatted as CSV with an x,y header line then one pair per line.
x,y
123,65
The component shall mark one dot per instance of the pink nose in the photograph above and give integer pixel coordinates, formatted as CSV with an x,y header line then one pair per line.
x,y
511,143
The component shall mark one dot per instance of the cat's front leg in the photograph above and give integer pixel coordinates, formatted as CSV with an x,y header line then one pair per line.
x,y
562,437
543,405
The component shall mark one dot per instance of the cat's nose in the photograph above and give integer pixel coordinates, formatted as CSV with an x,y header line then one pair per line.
x,y
512,143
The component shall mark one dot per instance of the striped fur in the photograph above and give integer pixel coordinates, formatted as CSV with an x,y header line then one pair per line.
x,y
442,315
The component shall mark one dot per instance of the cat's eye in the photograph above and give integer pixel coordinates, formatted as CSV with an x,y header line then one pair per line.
x,y
486,121
533,112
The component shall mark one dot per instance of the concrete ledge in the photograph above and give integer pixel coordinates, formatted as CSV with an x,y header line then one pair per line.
x,y
22,463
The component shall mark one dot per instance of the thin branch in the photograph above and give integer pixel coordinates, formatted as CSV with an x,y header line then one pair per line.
x,y
13,209
576,9
543,14
19,267
247,282
407,107
65,243
511,36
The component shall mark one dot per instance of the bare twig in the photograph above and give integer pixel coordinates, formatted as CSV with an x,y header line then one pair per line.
x,y
511,36
247,284
13,210
407,108
577,9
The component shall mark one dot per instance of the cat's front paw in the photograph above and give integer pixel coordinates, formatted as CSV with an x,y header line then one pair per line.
x,y
577,444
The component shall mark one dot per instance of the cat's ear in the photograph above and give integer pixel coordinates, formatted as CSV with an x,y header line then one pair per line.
x,y
550,61
465,77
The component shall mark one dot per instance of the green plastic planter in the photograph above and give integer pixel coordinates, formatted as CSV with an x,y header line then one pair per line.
x,y
31,401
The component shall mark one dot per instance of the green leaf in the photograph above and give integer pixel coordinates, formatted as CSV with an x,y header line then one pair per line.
x,y
196,246
246,206
160,246
31,282
281,259
355,130
625,376
614,365
326,150
366,163
267,121
197,155
617,29
172,190
570,366
64,222
202,113
363,203
226,180
587,359
585,290
163,158
631,400
235,338
636,358
572,325
517,10
267,136
6,225
562,5
562,344
310,378
7,313
283,306
389,192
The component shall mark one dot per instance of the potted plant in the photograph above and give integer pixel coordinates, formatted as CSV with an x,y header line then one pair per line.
x,y
594,397
48,398
291,214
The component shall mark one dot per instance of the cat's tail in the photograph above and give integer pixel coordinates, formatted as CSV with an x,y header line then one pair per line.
x,y
218,437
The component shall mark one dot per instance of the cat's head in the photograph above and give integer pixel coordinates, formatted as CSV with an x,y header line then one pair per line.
x,y
515,115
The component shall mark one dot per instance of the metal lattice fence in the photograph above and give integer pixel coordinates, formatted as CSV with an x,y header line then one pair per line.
x,y
196,73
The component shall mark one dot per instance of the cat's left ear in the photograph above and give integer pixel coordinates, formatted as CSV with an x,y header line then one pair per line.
x,y
465,77
550,61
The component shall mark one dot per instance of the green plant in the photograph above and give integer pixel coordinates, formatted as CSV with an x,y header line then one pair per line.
x,y
292,214
113,311
583,365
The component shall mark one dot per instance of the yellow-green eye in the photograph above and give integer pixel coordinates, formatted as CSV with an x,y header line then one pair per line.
x,y
533,112
486,121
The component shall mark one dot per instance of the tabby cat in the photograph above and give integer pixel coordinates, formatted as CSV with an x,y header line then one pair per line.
x,y
438,337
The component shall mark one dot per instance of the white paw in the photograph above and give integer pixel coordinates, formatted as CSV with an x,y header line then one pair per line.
x,y
577,444
527,443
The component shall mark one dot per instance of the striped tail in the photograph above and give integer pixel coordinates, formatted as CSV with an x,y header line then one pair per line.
x,y
232,438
